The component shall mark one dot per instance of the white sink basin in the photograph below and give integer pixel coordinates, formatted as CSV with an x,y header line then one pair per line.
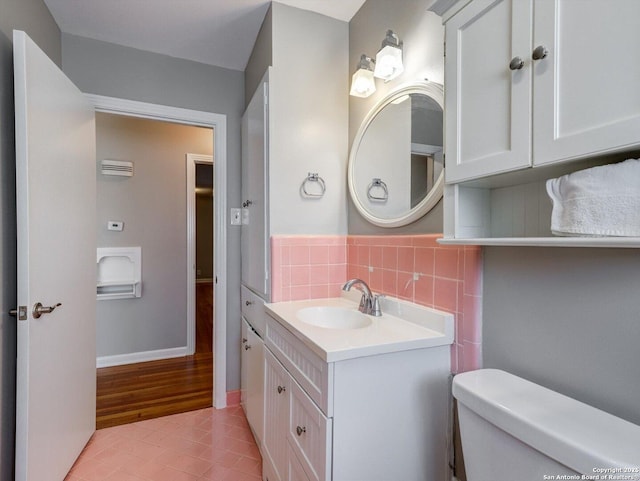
x,y
333,317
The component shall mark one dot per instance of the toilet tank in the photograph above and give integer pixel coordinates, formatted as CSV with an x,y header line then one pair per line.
x,y
513,429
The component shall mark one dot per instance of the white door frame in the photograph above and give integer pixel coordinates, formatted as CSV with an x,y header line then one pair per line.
x,y
192,160
218,122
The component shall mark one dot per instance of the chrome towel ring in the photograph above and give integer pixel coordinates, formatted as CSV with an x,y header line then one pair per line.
x,y
313,177
378,184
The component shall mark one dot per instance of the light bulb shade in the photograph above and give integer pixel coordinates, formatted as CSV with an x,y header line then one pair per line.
x,y
389,63
362,83
389,58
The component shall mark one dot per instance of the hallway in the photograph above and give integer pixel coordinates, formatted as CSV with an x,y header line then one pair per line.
x,y
202,445
147,390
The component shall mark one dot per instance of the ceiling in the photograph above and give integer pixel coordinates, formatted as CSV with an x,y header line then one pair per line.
x,y
215,32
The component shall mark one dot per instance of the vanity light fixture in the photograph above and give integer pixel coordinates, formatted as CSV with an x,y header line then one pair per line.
x,y
389,58
362,82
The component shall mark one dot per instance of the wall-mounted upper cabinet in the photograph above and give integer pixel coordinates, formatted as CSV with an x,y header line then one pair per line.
x,y
254,240
529,83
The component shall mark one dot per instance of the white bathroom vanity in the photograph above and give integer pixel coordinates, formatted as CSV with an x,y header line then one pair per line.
x,y
350,396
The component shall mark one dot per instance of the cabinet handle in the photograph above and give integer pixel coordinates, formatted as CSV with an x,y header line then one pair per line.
x,y
301,430
539,52
247,347
248,303
281,389
516,63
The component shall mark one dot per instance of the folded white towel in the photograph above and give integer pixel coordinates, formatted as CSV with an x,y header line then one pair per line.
x,y
601,201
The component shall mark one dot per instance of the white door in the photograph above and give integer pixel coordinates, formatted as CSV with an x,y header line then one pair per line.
x,y
488,100
55,185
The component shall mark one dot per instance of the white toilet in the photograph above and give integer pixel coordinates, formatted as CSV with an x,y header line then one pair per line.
x,y
513,429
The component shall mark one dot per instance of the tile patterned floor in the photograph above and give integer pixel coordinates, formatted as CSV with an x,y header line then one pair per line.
x,y
205,445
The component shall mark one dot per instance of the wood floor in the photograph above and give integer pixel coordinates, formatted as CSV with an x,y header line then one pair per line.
x,y
135,392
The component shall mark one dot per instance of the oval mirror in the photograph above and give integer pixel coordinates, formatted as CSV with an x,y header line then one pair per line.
x,y
396,164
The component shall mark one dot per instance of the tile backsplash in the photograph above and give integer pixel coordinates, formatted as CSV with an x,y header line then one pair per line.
x,y
410,267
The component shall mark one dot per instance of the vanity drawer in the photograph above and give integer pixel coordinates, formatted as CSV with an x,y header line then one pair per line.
x,y
311,372
253,309
310,435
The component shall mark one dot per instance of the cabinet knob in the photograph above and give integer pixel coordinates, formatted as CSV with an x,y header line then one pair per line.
x,y
248,303
516,63
247,203
244,340
301,430
539,52
247,347
281,389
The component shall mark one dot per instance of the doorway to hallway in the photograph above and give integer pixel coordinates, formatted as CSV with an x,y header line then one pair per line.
x,y
151,205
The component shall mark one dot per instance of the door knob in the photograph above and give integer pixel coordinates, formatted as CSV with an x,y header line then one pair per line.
x,y
39,309
516,63
539,52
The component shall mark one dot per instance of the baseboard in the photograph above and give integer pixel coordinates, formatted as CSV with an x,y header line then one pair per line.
x,y
233,398
131,358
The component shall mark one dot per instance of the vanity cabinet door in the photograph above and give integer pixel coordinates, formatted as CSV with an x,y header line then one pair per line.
x,y
252,379
487,104
586,96
296,471
277,386
309,435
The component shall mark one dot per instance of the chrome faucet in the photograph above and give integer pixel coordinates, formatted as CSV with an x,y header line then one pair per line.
x,y
369,304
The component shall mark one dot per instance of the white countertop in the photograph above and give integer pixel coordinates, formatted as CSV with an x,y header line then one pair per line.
x,y
402,326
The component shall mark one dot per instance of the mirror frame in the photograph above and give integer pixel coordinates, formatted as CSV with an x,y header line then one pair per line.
x,y
436,92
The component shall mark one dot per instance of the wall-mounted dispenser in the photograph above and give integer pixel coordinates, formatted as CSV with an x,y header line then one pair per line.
x,y
119,272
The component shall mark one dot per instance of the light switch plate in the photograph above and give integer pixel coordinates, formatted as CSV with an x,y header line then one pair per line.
x,y
236,216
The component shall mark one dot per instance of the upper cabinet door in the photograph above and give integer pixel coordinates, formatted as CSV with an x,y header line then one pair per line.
x,y
255,232
488,97
587,88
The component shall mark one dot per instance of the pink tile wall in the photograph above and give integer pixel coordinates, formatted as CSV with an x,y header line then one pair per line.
x,y
418,269
415,268
307,267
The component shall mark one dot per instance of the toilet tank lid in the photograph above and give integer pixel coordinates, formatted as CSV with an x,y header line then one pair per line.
x,y
573,433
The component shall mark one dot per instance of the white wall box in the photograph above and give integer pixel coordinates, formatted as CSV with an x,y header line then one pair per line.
x,y
119,272
376,417
533,85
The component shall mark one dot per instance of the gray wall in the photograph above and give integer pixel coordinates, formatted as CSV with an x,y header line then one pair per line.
x,y
308,121
423,36
33,17
566,318
153,206
261,58
107,69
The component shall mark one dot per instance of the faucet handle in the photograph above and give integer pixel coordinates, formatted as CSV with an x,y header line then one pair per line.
x,y
363,302
375,308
